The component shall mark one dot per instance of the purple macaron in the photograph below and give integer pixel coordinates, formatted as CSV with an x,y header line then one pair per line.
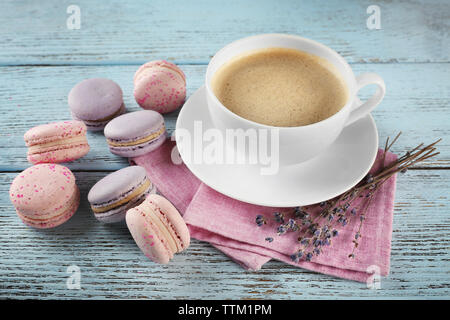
x,y
112,196
136,133
95,102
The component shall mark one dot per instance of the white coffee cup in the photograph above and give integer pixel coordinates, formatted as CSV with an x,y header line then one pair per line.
x,y
296,144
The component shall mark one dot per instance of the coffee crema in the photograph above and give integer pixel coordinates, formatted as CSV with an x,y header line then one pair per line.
x,y
280,87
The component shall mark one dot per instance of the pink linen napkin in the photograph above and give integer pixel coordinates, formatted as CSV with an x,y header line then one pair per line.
x,y
229,224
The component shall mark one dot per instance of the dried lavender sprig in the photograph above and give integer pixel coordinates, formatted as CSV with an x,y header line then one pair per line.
x,y
387,146
408,159
324,236
329,229
361,221
413,153
408,156
404,163
404,166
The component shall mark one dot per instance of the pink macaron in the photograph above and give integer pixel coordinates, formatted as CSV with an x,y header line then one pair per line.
x,y
158,228
56,142
45,195
160,86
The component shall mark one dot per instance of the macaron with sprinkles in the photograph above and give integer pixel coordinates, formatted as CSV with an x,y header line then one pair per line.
x,y
112,196
158,229
45,195
96,101
135,133
159,85
56,142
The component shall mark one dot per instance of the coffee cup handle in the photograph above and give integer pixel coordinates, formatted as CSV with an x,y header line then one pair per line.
x,y
361,109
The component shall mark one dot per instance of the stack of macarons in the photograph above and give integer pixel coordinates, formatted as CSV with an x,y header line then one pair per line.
x,y
46,194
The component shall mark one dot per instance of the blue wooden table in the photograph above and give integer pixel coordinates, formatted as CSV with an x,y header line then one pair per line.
x,y
42,56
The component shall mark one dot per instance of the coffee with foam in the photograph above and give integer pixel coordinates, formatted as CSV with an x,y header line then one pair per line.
x,y
280,87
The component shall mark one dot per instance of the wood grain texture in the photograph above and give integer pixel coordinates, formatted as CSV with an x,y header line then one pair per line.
x,y
136,31
34,262
417,102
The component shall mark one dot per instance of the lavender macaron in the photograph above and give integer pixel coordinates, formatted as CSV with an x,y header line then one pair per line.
x,y
112,196
136,133
95,102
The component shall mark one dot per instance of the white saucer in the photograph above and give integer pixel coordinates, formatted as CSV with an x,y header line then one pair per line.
x,y
329,174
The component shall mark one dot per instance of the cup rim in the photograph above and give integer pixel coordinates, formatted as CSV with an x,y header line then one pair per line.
x,y
351,87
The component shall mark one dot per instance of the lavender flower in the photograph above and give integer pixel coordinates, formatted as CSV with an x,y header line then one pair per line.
x,y
304,241
299,213
292,225
281,229
306,223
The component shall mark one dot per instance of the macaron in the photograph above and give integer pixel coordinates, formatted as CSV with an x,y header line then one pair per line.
x,y
45,195
135,133
95,102
112,196
56,142
160,86
158,229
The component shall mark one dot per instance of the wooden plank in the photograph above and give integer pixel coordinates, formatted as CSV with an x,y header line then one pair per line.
x,y
417,103
118,32
34,262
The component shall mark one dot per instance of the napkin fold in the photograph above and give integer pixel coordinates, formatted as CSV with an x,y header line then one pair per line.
x,y
229,224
